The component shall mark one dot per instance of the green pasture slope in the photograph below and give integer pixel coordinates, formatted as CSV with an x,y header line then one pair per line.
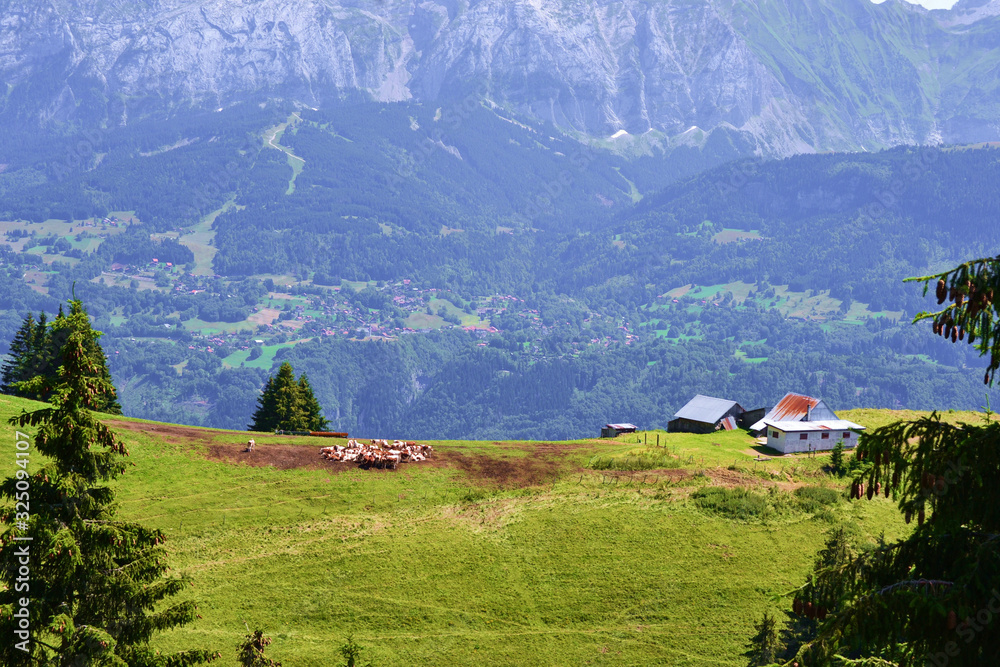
x,y
491,554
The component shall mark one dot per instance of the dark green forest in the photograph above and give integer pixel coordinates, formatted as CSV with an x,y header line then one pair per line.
x,y
455,272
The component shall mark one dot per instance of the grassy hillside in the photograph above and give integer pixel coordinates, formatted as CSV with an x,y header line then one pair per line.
x,y
492,553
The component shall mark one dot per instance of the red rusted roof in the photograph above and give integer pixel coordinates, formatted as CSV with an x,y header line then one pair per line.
x,y
792,407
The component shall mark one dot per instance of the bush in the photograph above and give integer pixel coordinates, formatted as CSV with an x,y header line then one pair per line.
x,y
814,498
739,503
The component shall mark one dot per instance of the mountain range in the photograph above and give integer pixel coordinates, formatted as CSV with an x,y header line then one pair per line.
x,y
784,76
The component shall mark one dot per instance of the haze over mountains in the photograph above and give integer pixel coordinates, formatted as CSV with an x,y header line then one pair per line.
x,y
785,76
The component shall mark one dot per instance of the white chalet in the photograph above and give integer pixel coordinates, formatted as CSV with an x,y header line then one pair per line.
x,y
804,436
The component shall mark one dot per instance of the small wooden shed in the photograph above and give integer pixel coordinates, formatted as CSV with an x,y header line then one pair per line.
x,y
615,430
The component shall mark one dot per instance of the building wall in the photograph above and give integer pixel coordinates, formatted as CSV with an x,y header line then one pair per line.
x,y
751,417
688,426
790,442
822,412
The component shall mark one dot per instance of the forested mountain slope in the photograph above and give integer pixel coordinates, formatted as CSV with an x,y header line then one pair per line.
x,y
457,271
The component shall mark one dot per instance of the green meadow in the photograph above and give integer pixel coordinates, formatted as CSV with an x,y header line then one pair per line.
x,y
591,552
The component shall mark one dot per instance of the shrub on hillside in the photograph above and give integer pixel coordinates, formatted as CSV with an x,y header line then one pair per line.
x,y
739,503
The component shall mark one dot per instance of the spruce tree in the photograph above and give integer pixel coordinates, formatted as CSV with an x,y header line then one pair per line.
x,y
97,584
933,597
251,651
765,645
837,458
18,356
313,411
35,352
287,404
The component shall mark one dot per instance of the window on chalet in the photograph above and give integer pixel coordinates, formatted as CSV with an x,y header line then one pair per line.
x,y
803,436
825,436
775,434
847,435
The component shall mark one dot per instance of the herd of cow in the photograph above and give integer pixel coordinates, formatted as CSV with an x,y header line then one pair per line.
x,y
378,454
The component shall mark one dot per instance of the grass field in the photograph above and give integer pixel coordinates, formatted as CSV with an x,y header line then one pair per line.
x,y
491,553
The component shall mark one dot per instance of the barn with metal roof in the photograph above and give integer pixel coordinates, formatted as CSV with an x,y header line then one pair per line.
x,y
796,408
705,414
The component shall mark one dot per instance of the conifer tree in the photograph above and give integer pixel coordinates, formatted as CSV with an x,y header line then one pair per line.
x,y
35,352
252,651
765,645
18,356
287,404
97,584
313,410
837,458
933,597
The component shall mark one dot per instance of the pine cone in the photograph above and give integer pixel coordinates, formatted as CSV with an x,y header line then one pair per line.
x,y
942,291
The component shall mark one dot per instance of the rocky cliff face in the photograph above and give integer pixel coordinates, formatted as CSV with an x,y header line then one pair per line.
x,y
790,75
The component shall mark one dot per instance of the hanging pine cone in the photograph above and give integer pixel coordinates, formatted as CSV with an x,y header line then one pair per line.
x,y
908,517
886,492
920,517
810,610
821,613
940,484
961,333
861,490
942,291
878,488
871,492
797,607
954,334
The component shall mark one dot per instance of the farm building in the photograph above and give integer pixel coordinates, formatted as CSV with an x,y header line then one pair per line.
x,y
614,430
705,414
805,436
795,408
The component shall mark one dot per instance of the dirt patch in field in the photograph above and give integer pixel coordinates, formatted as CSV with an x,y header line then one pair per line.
x,y
731,478
545,448
173,434
648,476
282,457
508,473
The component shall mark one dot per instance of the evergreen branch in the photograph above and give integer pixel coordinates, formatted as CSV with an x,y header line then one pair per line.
x,y
915,583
